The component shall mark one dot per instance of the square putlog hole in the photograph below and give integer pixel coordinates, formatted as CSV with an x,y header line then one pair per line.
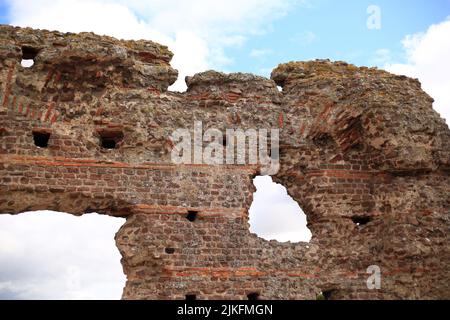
x,y
109,139
41,138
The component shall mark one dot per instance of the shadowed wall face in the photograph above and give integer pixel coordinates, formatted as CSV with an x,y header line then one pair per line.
x,y
87,128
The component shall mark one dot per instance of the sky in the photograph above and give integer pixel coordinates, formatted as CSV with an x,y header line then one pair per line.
x,y
410,37
52,255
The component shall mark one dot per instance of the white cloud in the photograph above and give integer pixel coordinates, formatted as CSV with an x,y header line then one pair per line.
x,y
260,53
381,57
197,31
275,215
265,72
428,59
50,255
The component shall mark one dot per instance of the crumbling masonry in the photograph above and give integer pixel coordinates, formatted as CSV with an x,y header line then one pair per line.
x,y
87,129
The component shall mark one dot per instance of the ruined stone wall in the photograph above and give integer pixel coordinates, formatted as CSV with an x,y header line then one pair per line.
x,y
361,150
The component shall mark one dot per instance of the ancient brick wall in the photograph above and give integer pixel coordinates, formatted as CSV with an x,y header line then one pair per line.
x,y
361,150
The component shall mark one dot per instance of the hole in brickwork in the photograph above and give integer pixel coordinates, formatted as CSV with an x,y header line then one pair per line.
x,y
361,220
192,215
41,139
29,52
54,255
191,297
110,139
108,143
28,56
325,295
253,296
170,250
274,215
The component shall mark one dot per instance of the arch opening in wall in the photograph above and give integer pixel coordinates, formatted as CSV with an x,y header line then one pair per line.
x,y
274,215
49,255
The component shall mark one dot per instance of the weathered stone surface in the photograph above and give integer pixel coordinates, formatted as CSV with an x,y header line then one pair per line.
x,y
358,145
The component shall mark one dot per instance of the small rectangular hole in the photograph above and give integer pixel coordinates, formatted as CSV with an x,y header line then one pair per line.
x,y
109,139
41,138
108,143
361,220
325,295
253,296
191,215
29,53
170,250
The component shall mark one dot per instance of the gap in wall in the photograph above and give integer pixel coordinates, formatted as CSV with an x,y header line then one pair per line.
x,y
274,215
53,255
